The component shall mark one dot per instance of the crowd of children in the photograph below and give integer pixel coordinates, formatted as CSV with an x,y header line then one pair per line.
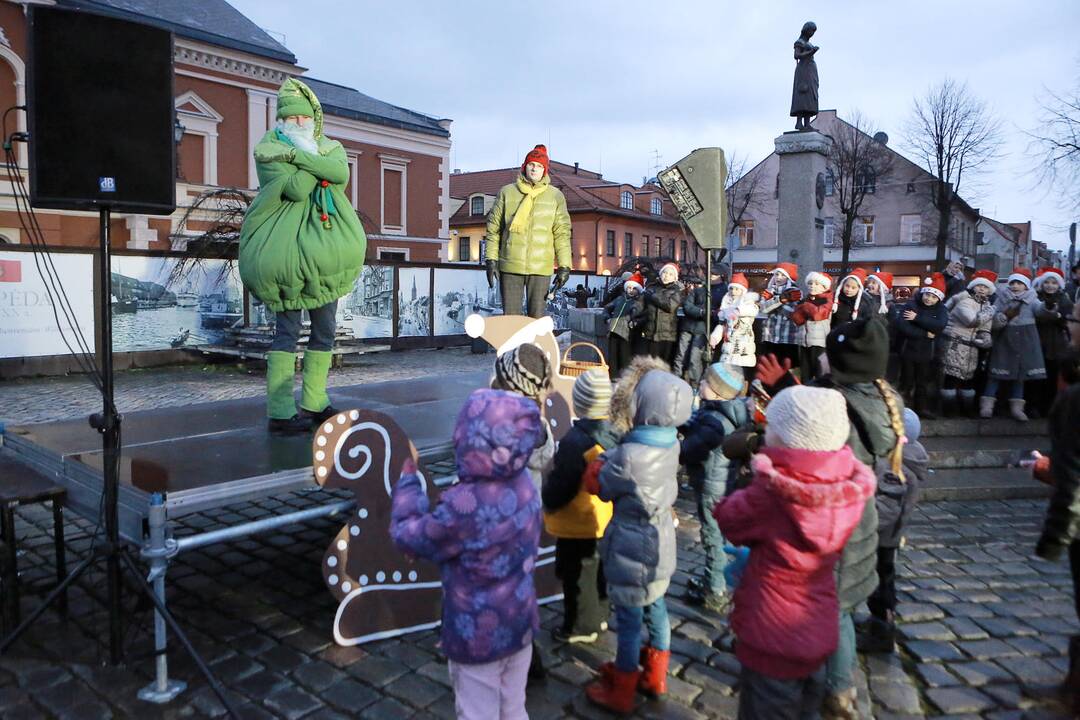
x,y
814,469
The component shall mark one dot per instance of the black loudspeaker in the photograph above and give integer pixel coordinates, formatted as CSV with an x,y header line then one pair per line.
x,y
100,114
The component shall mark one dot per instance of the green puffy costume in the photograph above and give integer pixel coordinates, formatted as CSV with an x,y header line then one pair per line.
x,y
301,245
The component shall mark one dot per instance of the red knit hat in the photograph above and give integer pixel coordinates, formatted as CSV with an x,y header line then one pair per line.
x,y
986,278
739,279
883,278
635,280
935,285
1045,272
859,274
538,154
789,269
1022,275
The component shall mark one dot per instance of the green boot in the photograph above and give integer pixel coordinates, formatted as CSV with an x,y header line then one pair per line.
x,y
280,368
314,402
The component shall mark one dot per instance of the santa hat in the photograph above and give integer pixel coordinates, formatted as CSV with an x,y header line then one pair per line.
x,y
859,275
635,281
740,280
538,154
986,278
1045,272
807,418
673,265
818,277
935,285
789,269
1022,275
885,279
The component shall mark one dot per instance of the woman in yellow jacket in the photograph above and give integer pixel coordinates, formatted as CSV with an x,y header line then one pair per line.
x,y
528,234
576,518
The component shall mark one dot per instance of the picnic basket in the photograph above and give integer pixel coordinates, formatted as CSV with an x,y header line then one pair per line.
x,y
576,368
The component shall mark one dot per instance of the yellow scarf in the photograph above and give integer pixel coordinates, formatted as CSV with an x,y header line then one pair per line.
x,y
524,211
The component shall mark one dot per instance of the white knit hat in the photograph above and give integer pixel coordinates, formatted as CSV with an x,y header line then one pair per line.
x,y
822,278
807,418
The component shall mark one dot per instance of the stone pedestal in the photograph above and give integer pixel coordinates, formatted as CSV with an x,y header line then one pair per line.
x,y
589,325
800,222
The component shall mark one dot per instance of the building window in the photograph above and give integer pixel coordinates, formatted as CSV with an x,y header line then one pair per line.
x,y
476,205
864,231
910,188
394,194
644,246
464,246
628,244
776,190
910,229
866,180
830,232
483,250
745,233
659,247
696,248
611,243
682,249
830,182
395,255
626,200
656,207
671,248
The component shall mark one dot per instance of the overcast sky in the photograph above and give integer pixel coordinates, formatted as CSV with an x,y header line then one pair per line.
x,y
608,83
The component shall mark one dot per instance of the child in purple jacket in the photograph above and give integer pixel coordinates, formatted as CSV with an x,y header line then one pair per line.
x,y
484,534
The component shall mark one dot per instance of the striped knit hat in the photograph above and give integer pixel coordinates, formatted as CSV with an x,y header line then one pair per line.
x,y
525,370
724,380
592,395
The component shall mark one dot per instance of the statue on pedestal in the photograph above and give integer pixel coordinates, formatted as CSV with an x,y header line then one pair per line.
x,y
804,92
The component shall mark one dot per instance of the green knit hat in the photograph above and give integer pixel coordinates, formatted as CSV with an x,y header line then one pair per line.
x,y
296,98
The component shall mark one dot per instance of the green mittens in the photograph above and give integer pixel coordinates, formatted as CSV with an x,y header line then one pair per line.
x,y
313,398
280,368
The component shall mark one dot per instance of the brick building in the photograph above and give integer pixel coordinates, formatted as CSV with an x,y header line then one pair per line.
x,y
611,222
227,71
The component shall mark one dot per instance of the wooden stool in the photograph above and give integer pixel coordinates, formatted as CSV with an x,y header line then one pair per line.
x,y
22,485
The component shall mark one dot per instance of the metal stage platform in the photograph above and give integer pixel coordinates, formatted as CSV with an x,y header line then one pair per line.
x,y
195,458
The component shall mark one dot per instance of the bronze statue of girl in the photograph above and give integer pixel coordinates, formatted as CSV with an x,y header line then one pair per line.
x,y
804,93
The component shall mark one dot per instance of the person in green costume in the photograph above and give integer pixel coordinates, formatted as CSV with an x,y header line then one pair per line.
x,y
301,248
528,233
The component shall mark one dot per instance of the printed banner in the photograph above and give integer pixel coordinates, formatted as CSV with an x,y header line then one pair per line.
x,y
27,323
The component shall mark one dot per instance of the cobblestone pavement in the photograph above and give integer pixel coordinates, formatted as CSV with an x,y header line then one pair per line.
x,y
985,631
34,400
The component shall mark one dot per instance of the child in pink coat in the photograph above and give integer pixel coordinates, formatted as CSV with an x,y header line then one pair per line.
x,y
807,496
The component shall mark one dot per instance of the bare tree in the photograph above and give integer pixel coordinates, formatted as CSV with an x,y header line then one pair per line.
x,y
744,192
1056,145
956,137
209,229
857,163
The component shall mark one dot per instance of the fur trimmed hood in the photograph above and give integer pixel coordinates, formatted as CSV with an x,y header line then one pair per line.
x,y
823,493
623,406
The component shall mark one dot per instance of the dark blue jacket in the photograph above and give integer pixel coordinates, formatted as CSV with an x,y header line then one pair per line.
x,y
703,438
915,344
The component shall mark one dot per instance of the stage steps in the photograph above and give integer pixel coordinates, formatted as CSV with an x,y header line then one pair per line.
x,y
975,459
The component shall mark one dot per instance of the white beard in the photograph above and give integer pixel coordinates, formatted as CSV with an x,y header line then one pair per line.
x,y
301,137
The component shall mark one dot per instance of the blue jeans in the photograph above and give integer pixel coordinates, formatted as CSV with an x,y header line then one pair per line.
x,y
630,619
1015,387
711,538
323,328
840,667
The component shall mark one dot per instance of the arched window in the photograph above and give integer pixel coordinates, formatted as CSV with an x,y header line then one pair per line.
x,y
866,180
626,200
830,182
656,206
476,205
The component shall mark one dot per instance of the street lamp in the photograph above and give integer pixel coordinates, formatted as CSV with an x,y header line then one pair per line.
x,y
178,136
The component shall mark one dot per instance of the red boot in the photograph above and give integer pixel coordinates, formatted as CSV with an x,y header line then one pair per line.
x,y
614,689
654,666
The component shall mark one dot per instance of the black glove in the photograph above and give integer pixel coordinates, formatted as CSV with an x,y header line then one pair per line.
x,y
492,272
562,276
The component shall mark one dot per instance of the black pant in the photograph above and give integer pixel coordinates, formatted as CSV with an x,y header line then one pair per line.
x,y
1044,392
585,603
884,598
619,355
918,382
767,698
690,357
809,362
663,349
323,328
516,287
